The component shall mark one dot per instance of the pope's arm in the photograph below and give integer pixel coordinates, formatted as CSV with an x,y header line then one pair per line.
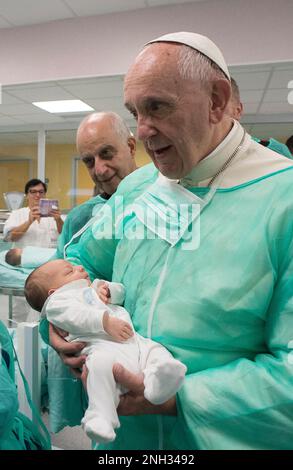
x,y
248,404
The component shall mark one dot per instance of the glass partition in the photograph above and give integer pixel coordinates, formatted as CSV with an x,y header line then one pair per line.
x,y
18,161
18,164
67,177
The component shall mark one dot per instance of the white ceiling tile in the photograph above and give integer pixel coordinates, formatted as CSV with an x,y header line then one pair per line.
x,y
251,96
94,7
239,69
76,81
124,111
19,109
258,130
280,79
43,94
114,105
276,108
250,108
252,80
27,86
87,81
276,130
276,95
27,12
40,118
99,90
104,104
4,23
74,118
9,121
284,66
9,99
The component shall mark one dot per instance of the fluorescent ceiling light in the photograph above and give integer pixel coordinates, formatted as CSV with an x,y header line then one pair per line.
x,y
63,106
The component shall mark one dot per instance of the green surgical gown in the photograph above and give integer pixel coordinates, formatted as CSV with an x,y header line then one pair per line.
x,y
17,432
224,309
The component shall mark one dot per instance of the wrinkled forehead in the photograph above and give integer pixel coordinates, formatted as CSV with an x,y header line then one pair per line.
x,y
155,68
160,56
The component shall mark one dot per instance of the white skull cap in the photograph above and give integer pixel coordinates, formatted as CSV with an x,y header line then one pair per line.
x,y
198,42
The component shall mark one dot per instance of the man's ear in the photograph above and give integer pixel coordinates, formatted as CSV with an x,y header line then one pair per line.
x,y
131,142
51,291
220,97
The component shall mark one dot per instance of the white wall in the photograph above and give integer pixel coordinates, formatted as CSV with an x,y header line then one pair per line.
x,y
248,31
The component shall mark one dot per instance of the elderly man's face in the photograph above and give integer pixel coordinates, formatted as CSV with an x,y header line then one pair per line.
x,y
172,114
107,156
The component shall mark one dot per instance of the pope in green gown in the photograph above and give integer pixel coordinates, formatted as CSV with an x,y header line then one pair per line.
x,y
231,319
214,285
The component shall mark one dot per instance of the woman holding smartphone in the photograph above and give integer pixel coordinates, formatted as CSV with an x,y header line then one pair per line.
x,y
25,226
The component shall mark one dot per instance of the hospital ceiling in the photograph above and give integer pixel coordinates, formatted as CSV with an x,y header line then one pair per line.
x,y
264,92
27,12
264,87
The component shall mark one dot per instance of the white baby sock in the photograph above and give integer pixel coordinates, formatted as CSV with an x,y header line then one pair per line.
x,y
98,429
163,380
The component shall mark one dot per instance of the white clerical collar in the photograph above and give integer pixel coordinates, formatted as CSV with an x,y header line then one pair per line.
x,y
212,163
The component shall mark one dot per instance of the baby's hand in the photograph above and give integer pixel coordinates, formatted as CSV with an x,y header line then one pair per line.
x,y
118,329
104,293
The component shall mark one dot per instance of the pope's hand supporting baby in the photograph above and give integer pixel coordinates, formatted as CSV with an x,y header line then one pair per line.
x,y
67,351
133,402
118,329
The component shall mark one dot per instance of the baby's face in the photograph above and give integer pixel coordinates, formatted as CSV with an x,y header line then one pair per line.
x,y
18,252
61,272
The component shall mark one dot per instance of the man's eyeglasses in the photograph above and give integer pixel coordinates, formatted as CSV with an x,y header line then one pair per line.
x,y
35,191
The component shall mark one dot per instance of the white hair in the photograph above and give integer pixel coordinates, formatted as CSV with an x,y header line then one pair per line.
x,y
194,65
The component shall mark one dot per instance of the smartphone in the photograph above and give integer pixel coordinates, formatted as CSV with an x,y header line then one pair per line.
x,y
46,205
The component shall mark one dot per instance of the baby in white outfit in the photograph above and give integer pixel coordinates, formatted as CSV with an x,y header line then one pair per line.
x,y
65,295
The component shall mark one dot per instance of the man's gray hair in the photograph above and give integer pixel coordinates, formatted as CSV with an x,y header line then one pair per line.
x,y
194,65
